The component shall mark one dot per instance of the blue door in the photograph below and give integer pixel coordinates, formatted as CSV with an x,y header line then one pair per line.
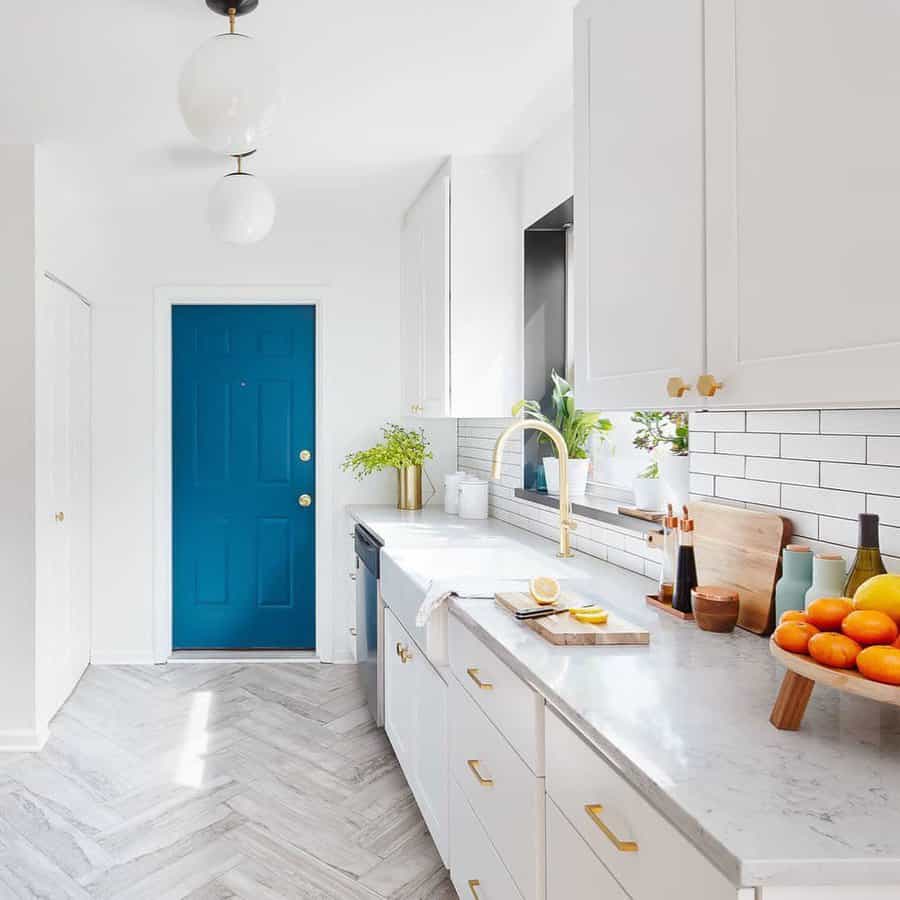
x,y
243,441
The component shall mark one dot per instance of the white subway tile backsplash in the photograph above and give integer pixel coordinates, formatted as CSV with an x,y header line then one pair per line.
x,y
843,504
868,479
748,491
748,444
887,508
834,448
861,421
717,464
778,421
717,421
786,471
703,442
838,531
626,560
883,451
702,484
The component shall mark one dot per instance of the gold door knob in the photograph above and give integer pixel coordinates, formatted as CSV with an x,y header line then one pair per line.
x,y
707,385
305,456
60,517
304,500
677,387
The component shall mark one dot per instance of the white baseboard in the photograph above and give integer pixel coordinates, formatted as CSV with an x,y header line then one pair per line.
x,y
122,659
23,740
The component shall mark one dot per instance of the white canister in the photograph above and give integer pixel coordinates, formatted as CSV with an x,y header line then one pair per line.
x,y
473,499
451,492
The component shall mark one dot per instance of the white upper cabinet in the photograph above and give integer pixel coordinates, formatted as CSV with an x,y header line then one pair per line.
x,y
804,193
639,209
737,188
463,285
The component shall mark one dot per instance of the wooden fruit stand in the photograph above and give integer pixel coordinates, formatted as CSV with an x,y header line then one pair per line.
x,y
803,672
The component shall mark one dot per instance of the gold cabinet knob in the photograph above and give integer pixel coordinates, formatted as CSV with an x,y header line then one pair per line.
x,y
305,456
707,385
60,517
416,408
304,500
677,387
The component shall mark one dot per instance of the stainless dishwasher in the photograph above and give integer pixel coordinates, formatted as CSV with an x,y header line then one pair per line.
x,y
370,619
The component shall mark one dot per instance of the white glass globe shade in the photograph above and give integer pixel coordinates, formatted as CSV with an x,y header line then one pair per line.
x,y
228,94
241,209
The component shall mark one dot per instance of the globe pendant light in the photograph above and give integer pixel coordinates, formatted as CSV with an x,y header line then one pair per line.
x,y
228,91
241,208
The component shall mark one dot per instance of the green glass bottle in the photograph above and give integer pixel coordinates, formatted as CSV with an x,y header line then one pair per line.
x,y
868,562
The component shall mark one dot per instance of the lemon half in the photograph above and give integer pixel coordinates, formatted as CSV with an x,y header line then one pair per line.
x,y
544,590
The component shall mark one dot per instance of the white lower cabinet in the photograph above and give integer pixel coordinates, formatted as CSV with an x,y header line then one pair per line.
x,y
415,720
506,796
573,870
475,868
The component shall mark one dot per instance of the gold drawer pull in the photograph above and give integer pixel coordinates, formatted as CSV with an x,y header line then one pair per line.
x,y
484,685
484,782
403,652
594,810
474,883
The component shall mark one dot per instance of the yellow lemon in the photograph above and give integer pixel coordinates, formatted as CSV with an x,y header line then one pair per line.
x,y
882,593
592,618
544,590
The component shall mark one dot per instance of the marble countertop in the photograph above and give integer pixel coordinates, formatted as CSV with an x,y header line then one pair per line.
x,y
685,720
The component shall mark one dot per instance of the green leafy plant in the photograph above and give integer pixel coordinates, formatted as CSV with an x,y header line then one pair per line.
x,y
657,429
575,425
400,447
652,471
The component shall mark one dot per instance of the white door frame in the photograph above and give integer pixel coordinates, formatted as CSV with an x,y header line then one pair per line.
x,y
245,295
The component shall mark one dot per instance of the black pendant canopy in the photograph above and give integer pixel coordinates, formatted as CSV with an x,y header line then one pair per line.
x,y
240,7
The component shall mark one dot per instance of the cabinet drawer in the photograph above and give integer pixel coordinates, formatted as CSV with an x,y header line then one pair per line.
x,y
504,793
476,870
508,702
639,846
573,871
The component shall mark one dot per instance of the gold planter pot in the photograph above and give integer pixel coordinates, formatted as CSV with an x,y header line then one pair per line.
x,y
409,487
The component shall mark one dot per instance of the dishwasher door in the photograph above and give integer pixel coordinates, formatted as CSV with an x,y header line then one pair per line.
x,y
370,620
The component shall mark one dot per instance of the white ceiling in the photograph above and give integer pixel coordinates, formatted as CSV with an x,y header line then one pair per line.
x,y
367,86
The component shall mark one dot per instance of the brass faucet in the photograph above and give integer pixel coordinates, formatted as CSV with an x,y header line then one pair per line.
x,y
566,524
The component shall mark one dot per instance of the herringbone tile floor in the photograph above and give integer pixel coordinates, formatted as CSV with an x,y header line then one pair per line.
x,y
214,781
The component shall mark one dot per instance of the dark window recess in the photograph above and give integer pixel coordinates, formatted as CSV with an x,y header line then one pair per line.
x,y
545,319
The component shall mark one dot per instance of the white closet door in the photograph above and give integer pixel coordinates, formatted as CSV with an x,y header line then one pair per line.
x,y
63,495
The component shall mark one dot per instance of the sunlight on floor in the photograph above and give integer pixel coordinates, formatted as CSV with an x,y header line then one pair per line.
x,y
196,742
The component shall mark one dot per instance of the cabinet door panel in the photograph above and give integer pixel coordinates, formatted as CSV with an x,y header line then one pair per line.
x,y
431,750
639,209
399,697
803,191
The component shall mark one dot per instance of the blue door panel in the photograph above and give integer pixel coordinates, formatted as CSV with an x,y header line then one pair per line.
x,y
243,407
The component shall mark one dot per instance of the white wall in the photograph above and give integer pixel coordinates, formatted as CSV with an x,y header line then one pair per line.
x,y
129,229
548,173
17,526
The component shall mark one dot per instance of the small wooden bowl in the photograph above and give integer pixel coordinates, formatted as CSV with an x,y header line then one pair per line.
x,y
715,608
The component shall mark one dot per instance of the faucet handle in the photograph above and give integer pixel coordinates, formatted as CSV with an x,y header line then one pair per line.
x,y
573,525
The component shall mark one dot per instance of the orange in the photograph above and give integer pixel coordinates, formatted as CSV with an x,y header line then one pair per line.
x,y
828,612
793,615
835,650
794,636
869,626
896,643
881,592
880,664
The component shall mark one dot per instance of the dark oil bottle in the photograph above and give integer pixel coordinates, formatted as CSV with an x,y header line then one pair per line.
x,y
686,567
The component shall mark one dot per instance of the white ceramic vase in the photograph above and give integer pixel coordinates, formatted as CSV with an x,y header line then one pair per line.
x,y
578,475
647,494
674,480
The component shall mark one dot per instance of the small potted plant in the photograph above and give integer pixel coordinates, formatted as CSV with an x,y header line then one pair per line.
x,y
665,436
402,449
576,427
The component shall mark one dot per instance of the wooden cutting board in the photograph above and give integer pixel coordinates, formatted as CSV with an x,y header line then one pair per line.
x,y
741,549
563,629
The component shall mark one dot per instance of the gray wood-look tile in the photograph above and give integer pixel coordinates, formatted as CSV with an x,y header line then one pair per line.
x,y
214,782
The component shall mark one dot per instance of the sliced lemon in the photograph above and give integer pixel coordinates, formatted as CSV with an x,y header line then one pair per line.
x,y
585,610
592,618
544,590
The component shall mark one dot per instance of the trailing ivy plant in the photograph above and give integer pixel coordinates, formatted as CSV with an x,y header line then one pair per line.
x,y
400,447
575,425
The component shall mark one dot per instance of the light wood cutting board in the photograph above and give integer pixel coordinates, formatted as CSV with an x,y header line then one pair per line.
x,y
741,549
563,629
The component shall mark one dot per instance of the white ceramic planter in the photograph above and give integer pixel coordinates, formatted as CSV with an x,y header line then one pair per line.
x,y
675,480
578,475
647,493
